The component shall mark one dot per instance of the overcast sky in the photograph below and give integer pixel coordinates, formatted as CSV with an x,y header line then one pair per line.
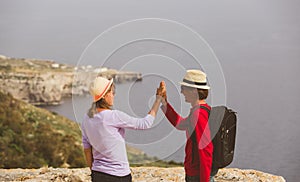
x,y
61,30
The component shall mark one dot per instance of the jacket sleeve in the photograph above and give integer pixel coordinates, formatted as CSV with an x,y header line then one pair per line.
x,y
175,119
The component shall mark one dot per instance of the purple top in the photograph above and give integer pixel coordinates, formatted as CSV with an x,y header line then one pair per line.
x,y
105,134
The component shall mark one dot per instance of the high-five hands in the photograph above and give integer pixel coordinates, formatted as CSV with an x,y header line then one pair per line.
x,y
162,92
161,97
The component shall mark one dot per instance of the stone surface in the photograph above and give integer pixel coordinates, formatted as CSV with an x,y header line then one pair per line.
x,y
139,174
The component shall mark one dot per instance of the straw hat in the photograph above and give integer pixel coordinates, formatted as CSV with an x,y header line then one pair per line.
x,y
195,79
99,87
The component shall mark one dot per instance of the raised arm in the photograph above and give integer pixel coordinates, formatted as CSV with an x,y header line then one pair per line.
x,y
175,119
156,104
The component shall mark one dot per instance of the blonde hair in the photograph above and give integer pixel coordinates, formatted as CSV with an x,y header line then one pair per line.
x,y
92,111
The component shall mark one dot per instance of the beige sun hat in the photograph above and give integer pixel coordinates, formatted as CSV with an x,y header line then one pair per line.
x,y
99,87
195,79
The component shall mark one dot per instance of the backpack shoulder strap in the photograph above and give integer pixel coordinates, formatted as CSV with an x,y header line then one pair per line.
x,y
205,108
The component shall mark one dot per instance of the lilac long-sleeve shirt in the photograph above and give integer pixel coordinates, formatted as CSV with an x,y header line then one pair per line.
x,y
105,134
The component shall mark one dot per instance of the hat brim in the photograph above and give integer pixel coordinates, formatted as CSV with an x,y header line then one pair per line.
x,y
195,86
105,91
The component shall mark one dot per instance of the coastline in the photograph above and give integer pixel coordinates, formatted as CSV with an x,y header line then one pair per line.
x,y
46,82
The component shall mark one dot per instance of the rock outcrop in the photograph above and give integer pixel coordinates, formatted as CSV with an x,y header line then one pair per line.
x,y
46,82
38,88
139,174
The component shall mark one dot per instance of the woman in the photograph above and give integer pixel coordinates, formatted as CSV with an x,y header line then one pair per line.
x,y
199,147
103,133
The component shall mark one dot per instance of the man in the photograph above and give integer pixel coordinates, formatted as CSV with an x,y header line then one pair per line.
x,y
199,147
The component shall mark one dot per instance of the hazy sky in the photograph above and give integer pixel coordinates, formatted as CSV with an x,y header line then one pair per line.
x,y
61,30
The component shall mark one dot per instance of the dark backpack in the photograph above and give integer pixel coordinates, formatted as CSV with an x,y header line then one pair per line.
x,y
222,124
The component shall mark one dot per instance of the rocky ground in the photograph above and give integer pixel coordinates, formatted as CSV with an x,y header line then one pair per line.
x,y
140,174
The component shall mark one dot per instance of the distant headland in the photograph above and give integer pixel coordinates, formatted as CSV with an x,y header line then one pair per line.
x,y
46,82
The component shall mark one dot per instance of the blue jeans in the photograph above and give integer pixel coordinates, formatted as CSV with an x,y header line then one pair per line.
x,y
212,174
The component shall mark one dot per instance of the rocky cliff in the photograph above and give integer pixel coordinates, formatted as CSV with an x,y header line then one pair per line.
x,y
139,174
32,137
42,82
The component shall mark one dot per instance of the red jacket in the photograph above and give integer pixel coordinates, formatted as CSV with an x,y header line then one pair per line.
x,y
195,164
